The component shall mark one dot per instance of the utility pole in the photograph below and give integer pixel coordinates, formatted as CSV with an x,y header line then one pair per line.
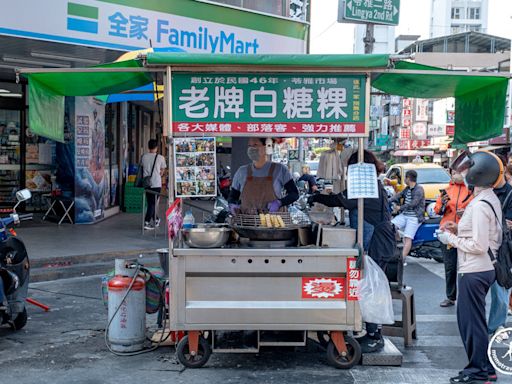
x,y
369,39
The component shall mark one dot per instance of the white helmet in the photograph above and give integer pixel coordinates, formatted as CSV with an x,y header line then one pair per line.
x,y
431,212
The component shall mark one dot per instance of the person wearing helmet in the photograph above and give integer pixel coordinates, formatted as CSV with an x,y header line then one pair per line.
x,y
477,232
450,204
499,295
310,179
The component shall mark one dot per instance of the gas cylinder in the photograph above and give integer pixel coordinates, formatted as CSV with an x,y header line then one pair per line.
x,y
127,329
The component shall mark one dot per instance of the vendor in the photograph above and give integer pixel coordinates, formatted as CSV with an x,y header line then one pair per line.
x,y
259,186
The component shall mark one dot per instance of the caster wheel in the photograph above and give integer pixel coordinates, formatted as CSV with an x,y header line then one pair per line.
x,y
347,361
323,338
197,361
20,320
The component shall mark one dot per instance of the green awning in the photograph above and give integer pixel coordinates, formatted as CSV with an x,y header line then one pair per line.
x,y
335,61
479,100
47,91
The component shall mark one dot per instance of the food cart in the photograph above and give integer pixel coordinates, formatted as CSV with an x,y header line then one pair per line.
x,y
272,295
266,290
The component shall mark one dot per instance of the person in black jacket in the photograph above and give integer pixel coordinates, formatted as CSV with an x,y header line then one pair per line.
x,y
382,244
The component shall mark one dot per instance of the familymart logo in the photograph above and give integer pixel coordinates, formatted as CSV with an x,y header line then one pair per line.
x,y
82,18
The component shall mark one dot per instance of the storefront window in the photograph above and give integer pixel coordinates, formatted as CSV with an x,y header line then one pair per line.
x,y
10,155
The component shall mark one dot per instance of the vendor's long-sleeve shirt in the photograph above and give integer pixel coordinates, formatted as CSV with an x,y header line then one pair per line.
x,y
478,230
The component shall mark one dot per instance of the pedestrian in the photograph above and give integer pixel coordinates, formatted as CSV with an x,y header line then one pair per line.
x,y
378,232
308,178
500,296
153,166
477,232
412,210
450,204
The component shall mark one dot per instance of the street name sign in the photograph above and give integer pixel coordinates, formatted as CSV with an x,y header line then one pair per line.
x,y
371,11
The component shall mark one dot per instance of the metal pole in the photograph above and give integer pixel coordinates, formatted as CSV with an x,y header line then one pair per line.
x,y
360,159
167,124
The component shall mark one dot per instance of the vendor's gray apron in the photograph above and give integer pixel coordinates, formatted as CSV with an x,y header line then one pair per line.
x,y
257,192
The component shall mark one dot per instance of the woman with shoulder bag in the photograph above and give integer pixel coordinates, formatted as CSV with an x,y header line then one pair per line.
x,y
477,232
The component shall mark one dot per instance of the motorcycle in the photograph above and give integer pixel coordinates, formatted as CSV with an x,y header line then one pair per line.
x,y
425,243
14,268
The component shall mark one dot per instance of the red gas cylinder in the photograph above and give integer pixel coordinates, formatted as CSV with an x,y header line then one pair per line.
x,y
127,318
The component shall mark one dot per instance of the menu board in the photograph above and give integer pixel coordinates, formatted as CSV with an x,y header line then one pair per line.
x,y
362,181
195,167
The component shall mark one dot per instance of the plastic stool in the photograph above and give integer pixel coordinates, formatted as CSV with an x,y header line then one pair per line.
x,y
407,327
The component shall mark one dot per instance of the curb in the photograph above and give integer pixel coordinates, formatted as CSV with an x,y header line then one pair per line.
x,y
85,265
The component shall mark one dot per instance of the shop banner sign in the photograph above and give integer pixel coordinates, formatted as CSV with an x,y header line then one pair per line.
x,y
268,104
436,130
195,167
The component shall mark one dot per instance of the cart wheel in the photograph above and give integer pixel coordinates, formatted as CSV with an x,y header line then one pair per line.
x,y
344,362
197,361
323,338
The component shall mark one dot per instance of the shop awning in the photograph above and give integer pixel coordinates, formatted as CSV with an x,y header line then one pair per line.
x,y
46,93
479,100
479,107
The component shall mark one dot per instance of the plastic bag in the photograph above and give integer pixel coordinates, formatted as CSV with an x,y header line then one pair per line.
x,y
374,294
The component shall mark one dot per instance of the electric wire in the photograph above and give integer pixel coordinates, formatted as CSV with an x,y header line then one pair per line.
x,y
65,294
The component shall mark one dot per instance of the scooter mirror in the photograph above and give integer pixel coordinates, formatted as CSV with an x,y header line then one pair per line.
x,y
23,195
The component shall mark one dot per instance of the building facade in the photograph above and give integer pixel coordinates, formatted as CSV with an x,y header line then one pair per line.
x,y
456,16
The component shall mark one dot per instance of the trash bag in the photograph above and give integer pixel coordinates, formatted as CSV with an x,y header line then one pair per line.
x,y
374,294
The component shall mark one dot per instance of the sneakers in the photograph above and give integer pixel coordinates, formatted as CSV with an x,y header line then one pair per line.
x,y
447,303
371,344
148,226
157,222
465,379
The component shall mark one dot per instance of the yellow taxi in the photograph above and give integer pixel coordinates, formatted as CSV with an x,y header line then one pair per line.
x,y
431,177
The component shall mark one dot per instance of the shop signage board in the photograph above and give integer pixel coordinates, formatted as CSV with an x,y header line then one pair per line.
x,y
434,130
450,130
412,144
195,167
353,277
419,131
133,24
268,104
370,11
323,288
421,110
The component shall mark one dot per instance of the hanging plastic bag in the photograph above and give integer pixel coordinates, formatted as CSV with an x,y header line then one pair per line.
x,y
374,294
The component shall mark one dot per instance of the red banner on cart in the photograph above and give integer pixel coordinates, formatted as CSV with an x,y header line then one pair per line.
x,y
323,288
283,129
353,277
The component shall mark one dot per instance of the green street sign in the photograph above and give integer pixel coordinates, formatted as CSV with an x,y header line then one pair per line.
x,y
260,104
372,11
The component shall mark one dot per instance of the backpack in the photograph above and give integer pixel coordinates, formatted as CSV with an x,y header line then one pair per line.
x,y
503,262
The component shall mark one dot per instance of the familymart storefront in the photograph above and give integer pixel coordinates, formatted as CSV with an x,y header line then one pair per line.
x,y
88,161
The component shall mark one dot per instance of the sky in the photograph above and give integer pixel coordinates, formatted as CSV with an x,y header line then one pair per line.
x,y
329,36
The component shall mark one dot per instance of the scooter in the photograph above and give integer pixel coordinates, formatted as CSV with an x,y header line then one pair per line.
x,y
224,181
425,243
14,268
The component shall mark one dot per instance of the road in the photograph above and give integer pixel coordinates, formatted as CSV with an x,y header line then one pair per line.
x,y
66,345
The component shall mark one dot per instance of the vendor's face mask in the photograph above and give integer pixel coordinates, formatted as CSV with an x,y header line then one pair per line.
x,y
253,153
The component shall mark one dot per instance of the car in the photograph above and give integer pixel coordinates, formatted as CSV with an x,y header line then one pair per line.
x,y
313,167
431,177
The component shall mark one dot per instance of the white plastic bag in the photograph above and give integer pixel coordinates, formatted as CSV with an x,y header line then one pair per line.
x,y
374,294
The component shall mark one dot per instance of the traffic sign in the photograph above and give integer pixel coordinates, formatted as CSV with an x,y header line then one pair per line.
x,y
371,11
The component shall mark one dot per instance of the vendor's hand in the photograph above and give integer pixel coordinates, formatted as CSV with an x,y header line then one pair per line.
x,y
233,208
450,226
274,206
443,237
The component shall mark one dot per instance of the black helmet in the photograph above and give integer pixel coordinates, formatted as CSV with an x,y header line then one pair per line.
x,y
484,169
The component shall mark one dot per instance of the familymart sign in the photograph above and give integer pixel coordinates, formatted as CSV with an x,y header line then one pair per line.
x,y
262,104
133,24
